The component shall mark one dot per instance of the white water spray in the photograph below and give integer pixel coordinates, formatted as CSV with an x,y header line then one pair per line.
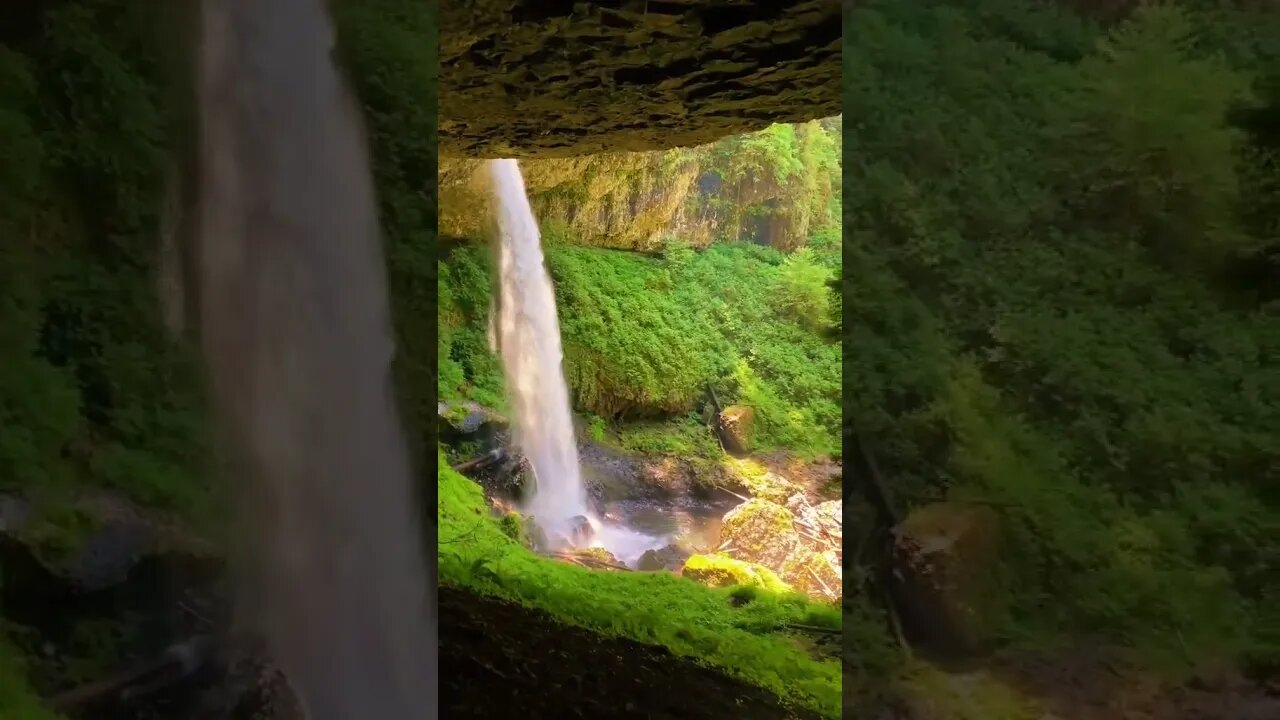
x,y
296,327
529,338
528,334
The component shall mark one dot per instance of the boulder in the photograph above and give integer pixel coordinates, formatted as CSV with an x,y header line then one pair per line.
x,y
822,523
95,541
581,533
760,531
722,571
944,556
752,478
536,535
817,574
460,420
671,557
738,425
599,554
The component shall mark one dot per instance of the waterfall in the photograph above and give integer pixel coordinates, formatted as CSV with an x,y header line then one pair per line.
x,y
295,324
528,338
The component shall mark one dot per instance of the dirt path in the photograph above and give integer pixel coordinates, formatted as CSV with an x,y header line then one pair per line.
x,y
499,659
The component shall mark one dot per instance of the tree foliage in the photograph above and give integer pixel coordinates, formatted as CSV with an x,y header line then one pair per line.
x,y
644,337
1046,221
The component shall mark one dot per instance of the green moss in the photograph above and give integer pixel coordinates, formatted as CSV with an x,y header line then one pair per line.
x,y
60,532
758,480
720,571
975,696
17,700
756,524
690,619
513,526
643,338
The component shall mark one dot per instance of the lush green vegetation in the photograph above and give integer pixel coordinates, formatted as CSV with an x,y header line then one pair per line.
x,y
1060,299
96,392
644,337
93,391
16,699
743,637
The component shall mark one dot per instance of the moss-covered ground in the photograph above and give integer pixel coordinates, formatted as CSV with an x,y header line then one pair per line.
x,y
742,633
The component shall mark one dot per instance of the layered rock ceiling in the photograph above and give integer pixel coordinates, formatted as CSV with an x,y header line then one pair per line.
x,y
554,78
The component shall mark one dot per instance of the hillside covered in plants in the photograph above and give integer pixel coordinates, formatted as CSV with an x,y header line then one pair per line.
x,y
1061,328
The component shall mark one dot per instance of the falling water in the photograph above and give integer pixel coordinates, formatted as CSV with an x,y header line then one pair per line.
x,y
528,338
294,318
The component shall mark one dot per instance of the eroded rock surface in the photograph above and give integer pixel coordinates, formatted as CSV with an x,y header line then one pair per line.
x,y
543,78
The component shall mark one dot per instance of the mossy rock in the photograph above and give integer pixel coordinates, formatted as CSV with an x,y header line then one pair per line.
x,y
816,574
945,557
760,531
721,571
513,526
738,423
759,481
671,557
599,554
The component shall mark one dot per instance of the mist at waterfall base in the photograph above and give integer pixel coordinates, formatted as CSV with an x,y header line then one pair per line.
x,y
295,324
528,339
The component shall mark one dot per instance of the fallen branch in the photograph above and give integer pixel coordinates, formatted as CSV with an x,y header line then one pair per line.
x,y
490,457
814,628
177,662
823,584
740,497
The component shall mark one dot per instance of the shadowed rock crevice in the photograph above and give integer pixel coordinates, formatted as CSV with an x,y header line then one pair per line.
x,y
551,79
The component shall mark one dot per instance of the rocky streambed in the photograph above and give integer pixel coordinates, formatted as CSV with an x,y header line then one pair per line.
x,y
774,522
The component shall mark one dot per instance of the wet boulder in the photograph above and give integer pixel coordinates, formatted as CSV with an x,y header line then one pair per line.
x,y
535,535
581,532
460,420
944,556
738,425
671,557
95,541
722,571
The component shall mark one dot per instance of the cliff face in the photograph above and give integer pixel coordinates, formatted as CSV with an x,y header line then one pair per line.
x,y
553,78
772,187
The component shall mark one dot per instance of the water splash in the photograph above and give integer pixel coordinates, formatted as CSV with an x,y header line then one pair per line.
x,y
294,320
528,338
